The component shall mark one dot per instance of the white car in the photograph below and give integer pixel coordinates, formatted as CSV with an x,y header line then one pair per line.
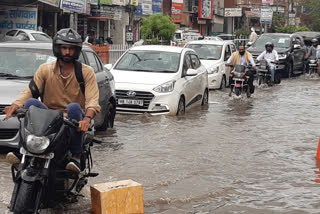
x,y
25,35
214,55
159,80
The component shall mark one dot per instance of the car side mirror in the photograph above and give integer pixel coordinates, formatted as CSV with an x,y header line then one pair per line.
x,y
191,72
296,46
108,66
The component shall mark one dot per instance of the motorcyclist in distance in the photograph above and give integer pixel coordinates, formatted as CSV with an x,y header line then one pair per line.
x,y
312,52
242,57
270,55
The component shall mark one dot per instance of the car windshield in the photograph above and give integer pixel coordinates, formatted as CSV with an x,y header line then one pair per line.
x,y
149,61
279,41
22,62
41,37
206,51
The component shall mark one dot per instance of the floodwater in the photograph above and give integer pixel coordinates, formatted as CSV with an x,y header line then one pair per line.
x,y
252,155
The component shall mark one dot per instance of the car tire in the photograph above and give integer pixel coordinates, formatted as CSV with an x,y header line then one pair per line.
x,y
108,118
181,106
290,70
205,98
223,83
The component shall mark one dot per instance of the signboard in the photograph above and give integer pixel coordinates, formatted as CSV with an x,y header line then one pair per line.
x,y
73,5
232,12
253,13
51,2
280,9
156,6
114,13
134,2
146,7
267,1
108,2
205,9
177,10
266,15
292,15
18,18
94,2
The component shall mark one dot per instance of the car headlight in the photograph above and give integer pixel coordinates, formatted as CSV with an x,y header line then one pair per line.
x,y
213,70
36,144
282,56
165,87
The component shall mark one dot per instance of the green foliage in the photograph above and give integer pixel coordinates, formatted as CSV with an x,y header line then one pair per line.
x,y
242,32
291,29
157,27
313,7
278,20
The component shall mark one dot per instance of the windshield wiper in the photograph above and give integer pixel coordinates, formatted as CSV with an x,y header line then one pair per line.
x,y
7,75
211,58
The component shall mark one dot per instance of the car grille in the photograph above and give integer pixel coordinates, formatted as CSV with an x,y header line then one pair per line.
x,y
2,108
8,133
140,95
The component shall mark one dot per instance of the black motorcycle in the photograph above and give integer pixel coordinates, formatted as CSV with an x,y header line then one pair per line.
x,y
313,66
264,73
40,180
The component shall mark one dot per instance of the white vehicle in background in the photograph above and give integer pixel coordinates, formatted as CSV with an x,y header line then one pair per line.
x,y
25,35
159,80
182,36
214,55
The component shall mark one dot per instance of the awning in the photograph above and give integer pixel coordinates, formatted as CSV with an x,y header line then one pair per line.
x,y
100,18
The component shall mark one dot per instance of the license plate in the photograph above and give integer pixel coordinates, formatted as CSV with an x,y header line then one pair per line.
x,y
130,102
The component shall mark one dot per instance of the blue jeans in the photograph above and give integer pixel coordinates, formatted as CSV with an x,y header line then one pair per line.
x,y
272,70
74,112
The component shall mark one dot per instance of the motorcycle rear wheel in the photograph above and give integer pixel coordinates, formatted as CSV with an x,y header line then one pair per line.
x,y
238,91
26,198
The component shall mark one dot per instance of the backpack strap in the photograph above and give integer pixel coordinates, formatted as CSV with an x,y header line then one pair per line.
x,y
35,90
79,76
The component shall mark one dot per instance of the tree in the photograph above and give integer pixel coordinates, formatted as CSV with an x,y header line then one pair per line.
x,y
291,29
313,8
278,20
157,27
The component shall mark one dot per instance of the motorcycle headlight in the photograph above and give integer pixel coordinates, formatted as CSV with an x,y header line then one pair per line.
x,y
312,61
282,56
165,87
213,70
36,144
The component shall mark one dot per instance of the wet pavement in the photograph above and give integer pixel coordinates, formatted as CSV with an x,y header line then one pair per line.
x,y
252,155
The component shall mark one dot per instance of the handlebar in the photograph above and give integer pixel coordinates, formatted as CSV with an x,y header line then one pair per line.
x,y
73,123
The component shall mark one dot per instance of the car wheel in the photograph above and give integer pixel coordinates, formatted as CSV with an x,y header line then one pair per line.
x,y
223,83
108,118
290,70
181,106
205,99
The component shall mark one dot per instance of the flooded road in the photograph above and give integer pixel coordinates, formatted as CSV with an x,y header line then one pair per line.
x,y
236,156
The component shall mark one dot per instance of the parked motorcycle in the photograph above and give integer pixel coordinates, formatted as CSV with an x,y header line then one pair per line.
x,y
40,180
313,66
264,73
239,82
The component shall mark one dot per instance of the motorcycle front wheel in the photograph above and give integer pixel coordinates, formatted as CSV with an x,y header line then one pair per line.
x,y
26,201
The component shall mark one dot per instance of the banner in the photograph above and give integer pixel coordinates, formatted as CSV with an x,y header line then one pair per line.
x,y
73,5
253,13
18,18
114,13
55,3
120,2
266,15
205,9
177,11
94,2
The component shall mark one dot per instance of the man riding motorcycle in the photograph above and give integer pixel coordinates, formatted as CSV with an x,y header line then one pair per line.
x,y
58,85
270,55
313,52
242,57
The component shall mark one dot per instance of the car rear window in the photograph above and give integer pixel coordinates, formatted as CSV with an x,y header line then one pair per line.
x,y
23,62
41,37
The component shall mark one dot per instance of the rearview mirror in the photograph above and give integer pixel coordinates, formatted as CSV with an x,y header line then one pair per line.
x,y
108,66
191,72
296,46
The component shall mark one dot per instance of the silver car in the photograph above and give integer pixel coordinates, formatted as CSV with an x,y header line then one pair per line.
x,y
18,63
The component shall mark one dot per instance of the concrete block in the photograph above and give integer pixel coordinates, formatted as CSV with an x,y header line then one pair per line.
x,y
119,197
